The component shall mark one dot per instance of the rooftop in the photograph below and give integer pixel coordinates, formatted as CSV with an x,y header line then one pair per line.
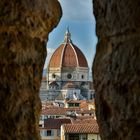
x,y
84,120
80,128
55,123
85,111
54,111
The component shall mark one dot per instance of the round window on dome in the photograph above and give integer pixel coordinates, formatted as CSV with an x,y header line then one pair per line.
x,y
69,76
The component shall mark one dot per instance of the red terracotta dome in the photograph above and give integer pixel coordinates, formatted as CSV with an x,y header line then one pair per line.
x,y
68,55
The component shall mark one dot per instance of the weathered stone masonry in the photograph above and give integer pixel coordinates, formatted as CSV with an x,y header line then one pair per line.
x,y
116,68
24,28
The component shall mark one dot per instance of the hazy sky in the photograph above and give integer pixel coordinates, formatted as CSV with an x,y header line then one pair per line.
x,y
78,16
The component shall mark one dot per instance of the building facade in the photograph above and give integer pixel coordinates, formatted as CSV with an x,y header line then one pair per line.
x,y
68,72
80,132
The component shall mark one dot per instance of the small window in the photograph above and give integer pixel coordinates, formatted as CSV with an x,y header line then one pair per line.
x,y
76,104
84,137
49,133
58,132
82,76
71,104
43,133
45,117
69,76
91,96
51,116
53,75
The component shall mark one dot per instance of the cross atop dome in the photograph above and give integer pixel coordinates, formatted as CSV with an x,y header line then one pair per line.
x,y
67,38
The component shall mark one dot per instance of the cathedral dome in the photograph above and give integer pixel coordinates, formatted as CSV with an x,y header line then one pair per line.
x,y
68,55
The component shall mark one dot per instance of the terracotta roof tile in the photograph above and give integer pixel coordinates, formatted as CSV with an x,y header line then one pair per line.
x,y
69,57
80,128
84,120
84,117
73,109
85,112
81,57
84,105
55,111
56,57
55,123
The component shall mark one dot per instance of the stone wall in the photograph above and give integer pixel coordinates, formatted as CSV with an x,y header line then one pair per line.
x,y
24,28
116,68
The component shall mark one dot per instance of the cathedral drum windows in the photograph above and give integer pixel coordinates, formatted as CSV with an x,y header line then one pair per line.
x,y
69,76
53,75
82,76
